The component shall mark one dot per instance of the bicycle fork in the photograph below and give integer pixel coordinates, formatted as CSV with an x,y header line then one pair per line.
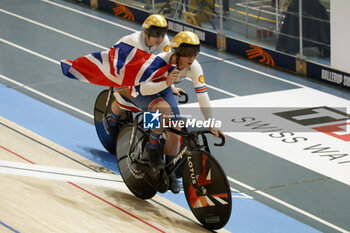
x,y
197,173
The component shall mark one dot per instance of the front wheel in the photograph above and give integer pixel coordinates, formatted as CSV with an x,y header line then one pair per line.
x,y
135,179
207,190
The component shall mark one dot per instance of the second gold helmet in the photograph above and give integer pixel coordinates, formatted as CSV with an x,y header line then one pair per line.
x,y
155,20
185,37
186,44
155,26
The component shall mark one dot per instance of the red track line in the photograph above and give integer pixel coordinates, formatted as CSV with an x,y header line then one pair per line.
x,y
92,194
16,154
109,203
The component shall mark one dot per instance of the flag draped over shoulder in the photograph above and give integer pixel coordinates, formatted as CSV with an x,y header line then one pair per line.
x,y
122,65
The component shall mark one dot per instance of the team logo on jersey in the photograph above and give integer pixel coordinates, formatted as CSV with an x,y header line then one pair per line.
x,y
166,48
201,79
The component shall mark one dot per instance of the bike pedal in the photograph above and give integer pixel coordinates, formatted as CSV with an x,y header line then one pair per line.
x,y
163,185
143,162
141,167
163,188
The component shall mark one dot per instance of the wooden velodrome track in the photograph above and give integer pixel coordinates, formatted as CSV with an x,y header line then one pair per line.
x,y
62,191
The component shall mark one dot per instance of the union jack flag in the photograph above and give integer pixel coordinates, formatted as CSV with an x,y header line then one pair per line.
x,y
123,65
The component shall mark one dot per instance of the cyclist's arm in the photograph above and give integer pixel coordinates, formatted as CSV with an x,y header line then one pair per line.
x,y
196,74
151,88
154,87
204,104
202,95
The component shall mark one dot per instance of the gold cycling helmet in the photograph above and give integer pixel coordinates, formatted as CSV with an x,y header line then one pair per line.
x,y
185,44
155,26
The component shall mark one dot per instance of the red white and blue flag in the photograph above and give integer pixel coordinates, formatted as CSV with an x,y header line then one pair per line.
x,y
123,65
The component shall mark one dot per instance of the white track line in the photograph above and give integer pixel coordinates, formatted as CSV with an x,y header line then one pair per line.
x,y
30,51
289,206
91,16
46,96
61,171
62,174
53,29
217,89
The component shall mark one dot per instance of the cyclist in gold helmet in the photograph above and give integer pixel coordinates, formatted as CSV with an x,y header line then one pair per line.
x,y
153,39
153,96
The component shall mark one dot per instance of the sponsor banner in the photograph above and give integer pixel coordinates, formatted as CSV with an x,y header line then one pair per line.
x,y
205,36
322,141
328,74
262,55
123,10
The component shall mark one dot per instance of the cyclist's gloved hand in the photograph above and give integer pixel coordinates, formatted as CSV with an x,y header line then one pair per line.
x,y
173,75
216,132
177,90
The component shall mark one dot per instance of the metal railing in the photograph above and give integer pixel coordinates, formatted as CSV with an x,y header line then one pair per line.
x,y
275,24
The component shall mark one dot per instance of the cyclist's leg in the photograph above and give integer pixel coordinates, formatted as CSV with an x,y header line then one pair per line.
x,y
114,116
172,144
110,120
153,103
166,104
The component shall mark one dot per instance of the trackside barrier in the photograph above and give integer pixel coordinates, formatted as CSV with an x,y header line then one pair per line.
x,y
262,55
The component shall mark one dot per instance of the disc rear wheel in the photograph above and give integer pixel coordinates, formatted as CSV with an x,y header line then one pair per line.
x,y
101,110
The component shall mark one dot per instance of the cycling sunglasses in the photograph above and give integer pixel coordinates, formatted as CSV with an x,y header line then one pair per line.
x,y
157,32
188,51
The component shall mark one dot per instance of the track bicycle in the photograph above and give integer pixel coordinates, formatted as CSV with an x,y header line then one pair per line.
x,y
102,108
205,184
210,205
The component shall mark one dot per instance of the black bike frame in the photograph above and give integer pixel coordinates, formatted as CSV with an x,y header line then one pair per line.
x,y
195,148
133,133
191,144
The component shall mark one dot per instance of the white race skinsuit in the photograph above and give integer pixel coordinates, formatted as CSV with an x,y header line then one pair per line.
x,y
137,39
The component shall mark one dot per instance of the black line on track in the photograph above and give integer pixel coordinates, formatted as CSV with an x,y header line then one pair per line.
x,y
49,147
281,185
